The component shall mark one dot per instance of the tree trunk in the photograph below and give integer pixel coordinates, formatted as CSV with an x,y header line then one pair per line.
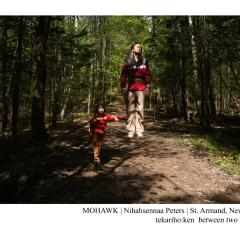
x,y
16,79
55,109
89,89
182,79
174,99
227,106
201,67
38,104
63,111
93,81
220,92
56,82
205,77
211,90
5,83
195,78
103,67
183,92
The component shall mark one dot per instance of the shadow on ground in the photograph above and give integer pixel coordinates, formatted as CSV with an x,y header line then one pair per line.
x,y
59,170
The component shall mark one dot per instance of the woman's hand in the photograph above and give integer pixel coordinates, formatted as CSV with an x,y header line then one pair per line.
x,y
146,91
123,92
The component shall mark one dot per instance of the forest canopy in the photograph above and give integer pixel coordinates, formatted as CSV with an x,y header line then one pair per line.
x,y
58,67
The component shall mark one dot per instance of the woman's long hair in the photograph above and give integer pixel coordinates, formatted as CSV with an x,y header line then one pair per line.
x,y
131,57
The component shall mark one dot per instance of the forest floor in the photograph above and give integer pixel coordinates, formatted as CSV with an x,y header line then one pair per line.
x,y
156,169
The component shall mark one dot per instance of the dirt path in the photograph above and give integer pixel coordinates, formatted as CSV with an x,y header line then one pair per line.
x,y
155,169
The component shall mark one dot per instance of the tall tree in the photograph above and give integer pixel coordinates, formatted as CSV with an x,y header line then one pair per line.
x,y
38,102
5,83
17,78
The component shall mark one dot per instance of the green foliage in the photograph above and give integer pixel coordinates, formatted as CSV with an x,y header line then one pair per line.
x,y
221,147
85,56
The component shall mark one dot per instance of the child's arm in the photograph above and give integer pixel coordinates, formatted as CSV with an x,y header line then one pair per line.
x,y
114,118
100,118
121,118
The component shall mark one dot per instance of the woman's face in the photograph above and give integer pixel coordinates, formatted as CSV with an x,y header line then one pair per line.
x,y
137,48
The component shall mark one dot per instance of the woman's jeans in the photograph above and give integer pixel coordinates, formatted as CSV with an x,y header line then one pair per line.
x,y
135,114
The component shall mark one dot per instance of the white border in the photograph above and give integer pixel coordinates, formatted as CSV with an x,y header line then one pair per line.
x,y
120,7
64,221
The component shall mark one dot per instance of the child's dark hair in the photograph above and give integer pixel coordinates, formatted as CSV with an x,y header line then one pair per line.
x,y
97,106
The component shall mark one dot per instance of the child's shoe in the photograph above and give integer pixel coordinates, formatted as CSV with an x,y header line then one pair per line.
x,y
98,166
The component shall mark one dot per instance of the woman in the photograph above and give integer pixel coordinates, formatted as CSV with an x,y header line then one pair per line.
x,y
136,74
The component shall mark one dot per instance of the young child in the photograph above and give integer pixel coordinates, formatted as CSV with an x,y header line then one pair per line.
x,y
97,130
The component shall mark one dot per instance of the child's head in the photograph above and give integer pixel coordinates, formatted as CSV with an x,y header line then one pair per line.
x,y
100,108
